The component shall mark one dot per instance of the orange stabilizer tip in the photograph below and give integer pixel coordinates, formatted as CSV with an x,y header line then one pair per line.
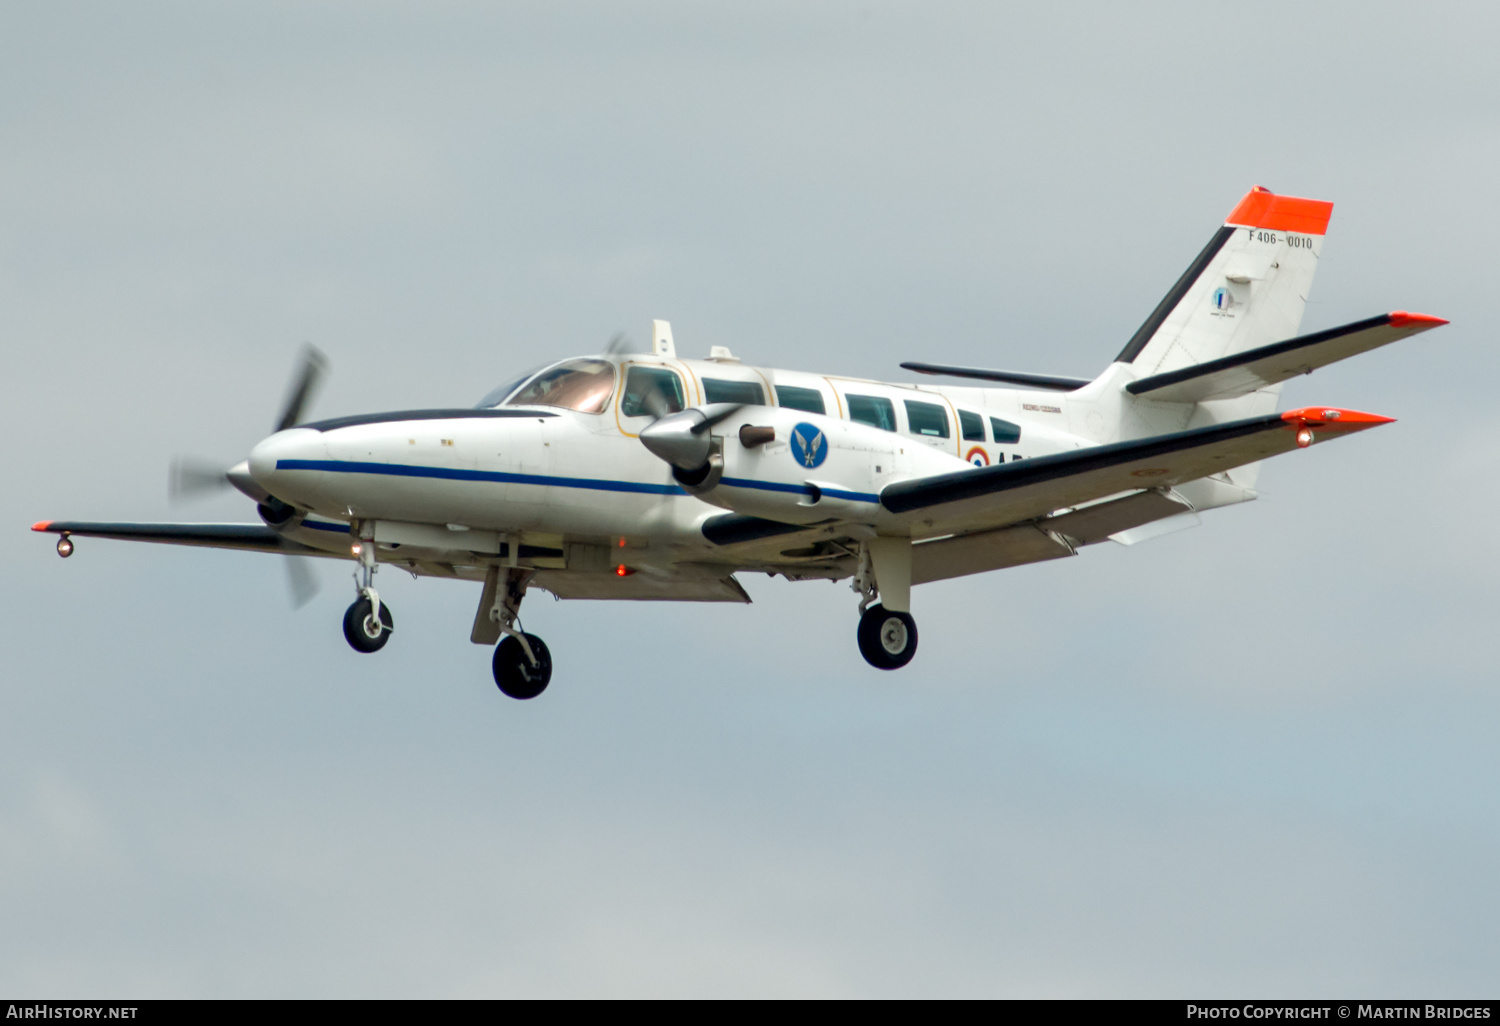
x,y
1400,319
1329,418
1262,208
41,525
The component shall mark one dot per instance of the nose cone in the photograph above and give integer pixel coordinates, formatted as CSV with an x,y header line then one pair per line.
x,y
290,465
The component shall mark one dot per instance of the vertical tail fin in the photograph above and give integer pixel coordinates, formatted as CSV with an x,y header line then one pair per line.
x,y
1247,288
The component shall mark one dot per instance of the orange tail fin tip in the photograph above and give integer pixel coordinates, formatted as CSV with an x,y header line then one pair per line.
x,y
1262,208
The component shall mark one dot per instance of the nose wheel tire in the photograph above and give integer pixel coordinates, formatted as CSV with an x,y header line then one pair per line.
x,y
361,630
887,639
515,675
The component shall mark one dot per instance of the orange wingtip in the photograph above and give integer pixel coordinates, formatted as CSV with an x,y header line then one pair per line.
x,y
1400,319
1329,418
41,525
1262,208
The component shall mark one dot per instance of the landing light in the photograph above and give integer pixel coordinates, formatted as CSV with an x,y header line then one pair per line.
x,y
64,546
354,549
1304,437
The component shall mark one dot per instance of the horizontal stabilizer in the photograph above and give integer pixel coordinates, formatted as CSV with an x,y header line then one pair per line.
x,y
1008,493
1049,381
1242,373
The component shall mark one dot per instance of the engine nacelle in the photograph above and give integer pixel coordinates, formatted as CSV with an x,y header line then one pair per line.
x,y
800,467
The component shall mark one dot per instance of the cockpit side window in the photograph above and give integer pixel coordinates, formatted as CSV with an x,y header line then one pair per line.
x,y
652,391
581,385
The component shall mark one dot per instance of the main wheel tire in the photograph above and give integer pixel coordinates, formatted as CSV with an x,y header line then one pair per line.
x,y
514,674
358,623
887,639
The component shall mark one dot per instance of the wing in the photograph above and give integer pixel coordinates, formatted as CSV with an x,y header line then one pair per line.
x,y
998,496
1243,373
248,537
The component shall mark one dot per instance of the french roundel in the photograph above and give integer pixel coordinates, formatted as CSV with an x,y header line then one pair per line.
x,y
809,445
978,456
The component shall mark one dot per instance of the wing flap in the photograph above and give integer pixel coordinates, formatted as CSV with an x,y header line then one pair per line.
x,y
1014,492
719,586
1242,373
983,551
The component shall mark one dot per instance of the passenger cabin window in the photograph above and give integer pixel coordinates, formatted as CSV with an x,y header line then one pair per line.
x,y
928,419
718,391
1006,433
808,400
872,410
972,425
652,391
582,385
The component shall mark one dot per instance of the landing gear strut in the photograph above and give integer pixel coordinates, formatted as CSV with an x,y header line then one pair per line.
x,y
522,664
367,623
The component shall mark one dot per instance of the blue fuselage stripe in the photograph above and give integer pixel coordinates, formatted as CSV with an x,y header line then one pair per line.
x,y
594,484
489,476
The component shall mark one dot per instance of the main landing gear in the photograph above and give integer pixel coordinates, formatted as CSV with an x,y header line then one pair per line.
x,y
367,623
519,674
887,637
522,664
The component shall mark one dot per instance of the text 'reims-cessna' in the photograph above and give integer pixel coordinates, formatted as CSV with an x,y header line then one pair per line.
x,y
652,476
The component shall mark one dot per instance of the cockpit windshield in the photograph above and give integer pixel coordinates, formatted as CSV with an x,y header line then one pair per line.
x,y
582,385
495,396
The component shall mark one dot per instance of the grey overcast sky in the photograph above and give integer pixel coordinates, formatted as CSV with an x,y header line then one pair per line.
x,y
1255,758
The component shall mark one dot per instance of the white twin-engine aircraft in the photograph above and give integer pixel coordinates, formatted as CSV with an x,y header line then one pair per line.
x,y
650,476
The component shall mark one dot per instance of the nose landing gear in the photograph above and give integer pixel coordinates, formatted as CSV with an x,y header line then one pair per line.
x,y
361,628
367,622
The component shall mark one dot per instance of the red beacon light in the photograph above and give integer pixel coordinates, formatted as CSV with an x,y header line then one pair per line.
x,y
623,571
